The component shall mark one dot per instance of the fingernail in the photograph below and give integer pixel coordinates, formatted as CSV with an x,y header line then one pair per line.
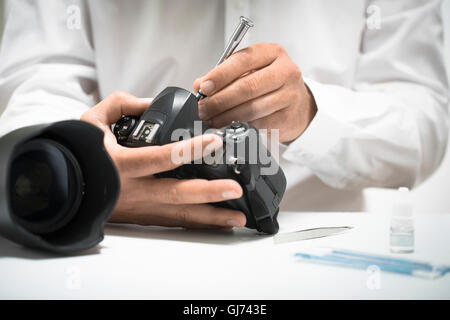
x,y
207,87
233,223
146,100
230,194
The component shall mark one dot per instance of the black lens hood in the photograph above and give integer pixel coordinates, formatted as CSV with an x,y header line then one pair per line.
x,y
101,186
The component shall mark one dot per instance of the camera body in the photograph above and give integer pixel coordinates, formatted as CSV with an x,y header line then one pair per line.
x,y
175,110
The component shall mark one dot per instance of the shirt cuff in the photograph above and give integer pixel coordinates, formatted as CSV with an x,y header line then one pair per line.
x,y
323,132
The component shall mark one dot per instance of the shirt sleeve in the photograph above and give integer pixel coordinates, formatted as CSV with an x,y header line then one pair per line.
x,y
47,69
390,128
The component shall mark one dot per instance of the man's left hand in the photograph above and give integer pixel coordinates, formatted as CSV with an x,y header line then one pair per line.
x,y
260,85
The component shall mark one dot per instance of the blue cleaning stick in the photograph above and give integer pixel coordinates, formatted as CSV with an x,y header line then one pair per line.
x,y
383,259
363,261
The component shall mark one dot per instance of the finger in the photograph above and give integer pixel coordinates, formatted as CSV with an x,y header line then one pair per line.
x,y
145,161
175,191
197,83
272,121
121,217
251,86
239,63
277,121
111,109
197,226
183,215
207,214
253,109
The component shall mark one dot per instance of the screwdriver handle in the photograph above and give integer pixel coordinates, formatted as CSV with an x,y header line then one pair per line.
x,y
236,38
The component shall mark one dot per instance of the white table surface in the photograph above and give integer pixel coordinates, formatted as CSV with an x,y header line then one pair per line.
x,y
159,263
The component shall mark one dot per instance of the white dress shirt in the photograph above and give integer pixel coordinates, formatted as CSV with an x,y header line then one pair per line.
x,y
375,68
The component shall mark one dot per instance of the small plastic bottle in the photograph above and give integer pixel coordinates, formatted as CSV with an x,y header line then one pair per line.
x,y
402,223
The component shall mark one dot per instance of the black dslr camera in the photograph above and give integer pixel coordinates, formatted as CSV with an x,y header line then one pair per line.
x,y
241,158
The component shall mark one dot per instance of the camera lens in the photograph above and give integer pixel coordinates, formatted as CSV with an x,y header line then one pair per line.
x,y
46,186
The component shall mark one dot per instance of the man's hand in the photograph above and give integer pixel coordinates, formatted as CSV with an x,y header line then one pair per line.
x,y
165,202
261,85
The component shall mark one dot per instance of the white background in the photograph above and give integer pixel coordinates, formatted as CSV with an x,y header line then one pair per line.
x,y
434,194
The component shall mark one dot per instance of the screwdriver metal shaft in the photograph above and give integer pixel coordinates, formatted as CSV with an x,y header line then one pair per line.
x,y
238,34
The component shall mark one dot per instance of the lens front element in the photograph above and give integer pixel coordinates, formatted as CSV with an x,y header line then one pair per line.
x,y
46,186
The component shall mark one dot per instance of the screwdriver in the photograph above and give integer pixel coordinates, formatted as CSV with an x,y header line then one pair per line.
x,y
238,34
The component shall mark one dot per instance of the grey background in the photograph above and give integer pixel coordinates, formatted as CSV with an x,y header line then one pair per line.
x,y
432,195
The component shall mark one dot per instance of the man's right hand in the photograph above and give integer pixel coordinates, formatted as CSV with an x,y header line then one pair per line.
x,y
147,200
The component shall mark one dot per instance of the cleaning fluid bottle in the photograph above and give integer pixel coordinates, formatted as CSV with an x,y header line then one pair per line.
x,y
402,223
